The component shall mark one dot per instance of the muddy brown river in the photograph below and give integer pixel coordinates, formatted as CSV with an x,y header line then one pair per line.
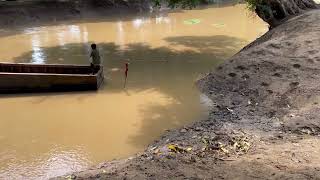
x,y
46,135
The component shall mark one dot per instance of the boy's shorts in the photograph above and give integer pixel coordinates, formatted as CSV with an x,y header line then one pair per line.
x,y
94,67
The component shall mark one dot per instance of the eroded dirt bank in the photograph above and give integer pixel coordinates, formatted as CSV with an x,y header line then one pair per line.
x,y
33,13
264,123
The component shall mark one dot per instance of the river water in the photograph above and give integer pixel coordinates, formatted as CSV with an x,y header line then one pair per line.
x,y
46,135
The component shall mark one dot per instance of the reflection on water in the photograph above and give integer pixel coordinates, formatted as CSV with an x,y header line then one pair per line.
x,y
162,20
37,56
56,161
45,135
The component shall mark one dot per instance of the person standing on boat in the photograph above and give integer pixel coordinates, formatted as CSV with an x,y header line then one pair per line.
x,y
95,58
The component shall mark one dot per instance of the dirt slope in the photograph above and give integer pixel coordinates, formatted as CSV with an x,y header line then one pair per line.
x,y
264,122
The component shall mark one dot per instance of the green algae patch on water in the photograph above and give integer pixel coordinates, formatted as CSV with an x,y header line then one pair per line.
x,y
219,25
191,21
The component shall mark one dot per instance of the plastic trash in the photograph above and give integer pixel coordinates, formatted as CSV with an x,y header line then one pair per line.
x,y
176,149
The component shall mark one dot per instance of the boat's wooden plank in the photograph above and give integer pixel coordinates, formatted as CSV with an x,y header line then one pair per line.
x,y
46,68
45,82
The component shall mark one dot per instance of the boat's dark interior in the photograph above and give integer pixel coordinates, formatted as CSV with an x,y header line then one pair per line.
x,y
49,69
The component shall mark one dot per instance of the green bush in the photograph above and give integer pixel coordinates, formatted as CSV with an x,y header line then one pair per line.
x,y
252,4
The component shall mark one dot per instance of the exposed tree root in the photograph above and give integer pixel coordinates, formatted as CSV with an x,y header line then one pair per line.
x,y
276,11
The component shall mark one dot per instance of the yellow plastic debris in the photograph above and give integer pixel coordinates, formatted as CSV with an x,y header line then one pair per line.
x,y
204,141
224,150
69,177
176,148
173,148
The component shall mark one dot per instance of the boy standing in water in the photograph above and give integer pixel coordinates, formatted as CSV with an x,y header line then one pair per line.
x,y
95,56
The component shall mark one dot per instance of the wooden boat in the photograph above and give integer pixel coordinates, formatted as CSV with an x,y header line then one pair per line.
x,y
15,78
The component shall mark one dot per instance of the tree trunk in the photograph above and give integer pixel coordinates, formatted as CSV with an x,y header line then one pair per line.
x,y
276,11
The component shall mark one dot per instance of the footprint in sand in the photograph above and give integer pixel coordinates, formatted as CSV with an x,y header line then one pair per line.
x,y
264,84
277,75
296,65
294,84
232,74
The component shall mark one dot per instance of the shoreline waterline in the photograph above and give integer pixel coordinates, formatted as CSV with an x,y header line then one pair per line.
x,y
77,130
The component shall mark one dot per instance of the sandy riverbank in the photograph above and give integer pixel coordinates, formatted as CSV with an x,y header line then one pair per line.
x,y
264,122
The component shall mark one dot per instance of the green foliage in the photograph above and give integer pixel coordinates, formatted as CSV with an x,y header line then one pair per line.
x,y
183,3
252,4
178,3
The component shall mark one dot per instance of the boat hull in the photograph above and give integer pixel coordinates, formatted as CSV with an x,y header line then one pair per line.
x,y
19,78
